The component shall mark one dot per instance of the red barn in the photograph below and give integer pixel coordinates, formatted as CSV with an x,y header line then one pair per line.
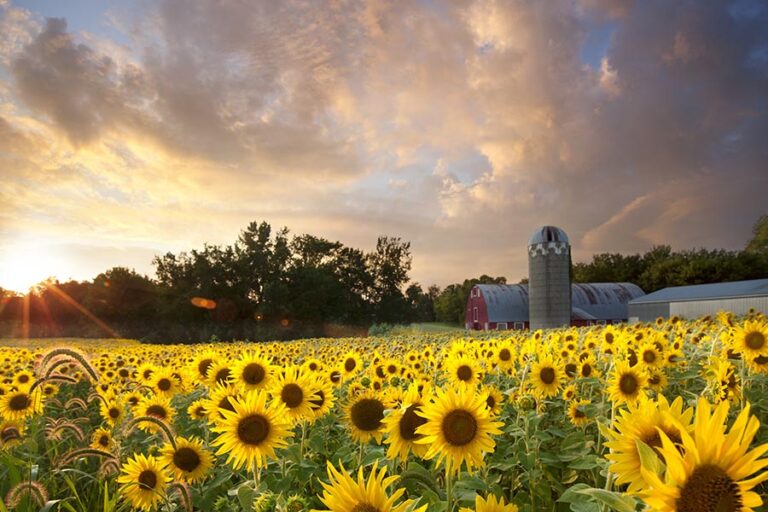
x,y
493,307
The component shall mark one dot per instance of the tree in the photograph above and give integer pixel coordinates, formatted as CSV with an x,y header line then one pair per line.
x,y
388,266
759,241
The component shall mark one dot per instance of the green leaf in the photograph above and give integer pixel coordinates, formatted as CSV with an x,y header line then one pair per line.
x,y
616,501
649,460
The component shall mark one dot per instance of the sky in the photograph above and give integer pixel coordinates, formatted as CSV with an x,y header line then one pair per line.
x,y
130,129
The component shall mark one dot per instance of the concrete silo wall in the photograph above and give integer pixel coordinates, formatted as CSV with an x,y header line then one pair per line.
x,y
549,286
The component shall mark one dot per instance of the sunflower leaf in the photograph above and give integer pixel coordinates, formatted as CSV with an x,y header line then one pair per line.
x,y
616,501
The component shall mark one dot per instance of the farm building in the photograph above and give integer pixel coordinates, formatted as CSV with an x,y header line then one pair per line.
x,y
700,300
502,306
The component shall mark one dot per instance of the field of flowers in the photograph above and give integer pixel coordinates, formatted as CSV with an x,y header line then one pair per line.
x,y
665,416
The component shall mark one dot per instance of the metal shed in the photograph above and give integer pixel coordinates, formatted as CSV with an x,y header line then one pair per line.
x,y
699,300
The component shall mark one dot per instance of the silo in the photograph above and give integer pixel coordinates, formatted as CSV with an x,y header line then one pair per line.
x,y
549,278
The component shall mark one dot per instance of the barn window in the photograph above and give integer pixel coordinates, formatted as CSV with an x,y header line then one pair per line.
x,y
600,322
501,326
520,325
474,314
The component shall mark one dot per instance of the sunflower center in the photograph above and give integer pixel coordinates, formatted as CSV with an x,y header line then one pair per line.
x,y
186,459
505,354
649,356
609,337
292,395
23,379
114,413
157,411
147,479
464,373
547,375
254,373
226,404
761,360
222,376
709,489
367,414
586,370
459,427
570,369
364,507
104,440
754,340
410,422
19,402
203,366
253,429
164,384
319,401
490,402
349,365
578,413
628,384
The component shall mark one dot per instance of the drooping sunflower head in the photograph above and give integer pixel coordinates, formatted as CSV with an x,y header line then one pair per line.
x,y
458,428
144,481
578,412
401,424
11,433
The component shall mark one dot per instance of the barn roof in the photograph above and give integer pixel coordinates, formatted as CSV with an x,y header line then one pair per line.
x,y
752,288
509,303
506,302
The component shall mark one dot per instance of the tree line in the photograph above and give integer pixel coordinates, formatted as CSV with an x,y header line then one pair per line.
x,y
267,284
271,285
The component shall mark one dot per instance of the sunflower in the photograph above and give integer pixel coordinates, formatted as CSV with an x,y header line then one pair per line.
x,y
158,407
750,339
201,364
713,471
189,461
400,426
490,505
365,415
164,383
464,370
294,389
218,373
547,375
458,428
20,404
324,398
494,400
112,410
101,439
24,379
650,356
577,412
220,401
11,433
197,409
627,383
351,363
251,433
643,422
251,371
144,482
344,494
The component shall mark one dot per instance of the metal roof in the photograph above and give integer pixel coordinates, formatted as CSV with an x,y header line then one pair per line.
x,y
505,302
752,288
546,234
509,303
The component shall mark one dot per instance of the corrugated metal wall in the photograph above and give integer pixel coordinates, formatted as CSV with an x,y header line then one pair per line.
x,y
695,309
648,312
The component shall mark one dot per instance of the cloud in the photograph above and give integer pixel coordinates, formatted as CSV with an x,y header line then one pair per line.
x,y
459,126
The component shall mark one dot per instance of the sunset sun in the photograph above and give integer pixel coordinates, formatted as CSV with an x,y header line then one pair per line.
x,y
23,265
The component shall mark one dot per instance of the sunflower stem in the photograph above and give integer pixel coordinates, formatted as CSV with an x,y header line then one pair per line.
x,y
449,488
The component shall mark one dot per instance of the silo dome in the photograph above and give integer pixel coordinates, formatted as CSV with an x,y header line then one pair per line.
x,y
549,278
548,234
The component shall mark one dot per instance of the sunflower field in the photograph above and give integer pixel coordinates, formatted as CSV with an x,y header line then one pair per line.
x,y
666,416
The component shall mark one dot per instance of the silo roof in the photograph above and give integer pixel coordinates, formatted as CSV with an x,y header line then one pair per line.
x,y
752,288
548,234
505,302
